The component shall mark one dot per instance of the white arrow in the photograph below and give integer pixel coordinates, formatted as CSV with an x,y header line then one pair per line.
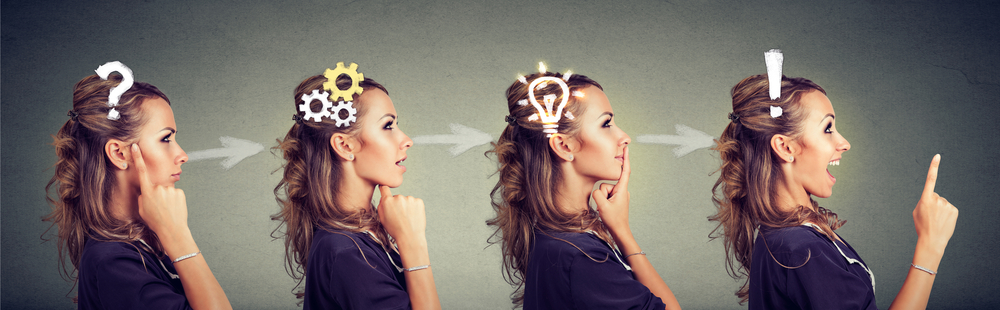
x,y
688,138
233,149
463,138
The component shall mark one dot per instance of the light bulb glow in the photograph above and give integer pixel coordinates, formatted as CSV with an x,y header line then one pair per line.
x,y
548,116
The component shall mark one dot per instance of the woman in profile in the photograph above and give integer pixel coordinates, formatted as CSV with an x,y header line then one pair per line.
x,y
350,254
121,222
557,250
775,156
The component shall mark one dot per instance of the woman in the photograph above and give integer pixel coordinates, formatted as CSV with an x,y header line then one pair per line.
x,y
556,249
775,155
350,255
121,222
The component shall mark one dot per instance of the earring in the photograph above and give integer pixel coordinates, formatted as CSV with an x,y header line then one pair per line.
x,y
124,165
570,157
350,156
791,158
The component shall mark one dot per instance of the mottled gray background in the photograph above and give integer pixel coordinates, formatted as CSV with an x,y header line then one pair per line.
x,y
908,79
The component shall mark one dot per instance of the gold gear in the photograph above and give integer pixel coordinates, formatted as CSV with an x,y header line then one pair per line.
x,y
331,83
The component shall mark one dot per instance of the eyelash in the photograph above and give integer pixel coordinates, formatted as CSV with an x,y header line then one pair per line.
x,y
607,123
828,127
388,126
167,138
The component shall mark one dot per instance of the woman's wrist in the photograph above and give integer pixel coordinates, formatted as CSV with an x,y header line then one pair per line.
x,y
932,246
626,241
412,244
416,241
413,255
927,255
617,227
178,243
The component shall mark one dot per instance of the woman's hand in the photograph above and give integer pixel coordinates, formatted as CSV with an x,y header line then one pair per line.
x,y
934,217
612,204
162,208
402,216
612,200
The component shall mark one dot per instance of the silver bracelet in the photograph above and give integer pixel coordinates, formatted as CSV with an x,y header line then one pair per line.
x,y
640,253
923,269
186,256
416,268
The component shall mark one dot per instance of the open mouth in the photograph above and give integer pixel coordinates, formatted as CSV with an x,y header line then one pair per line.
x,y
400,163
835,162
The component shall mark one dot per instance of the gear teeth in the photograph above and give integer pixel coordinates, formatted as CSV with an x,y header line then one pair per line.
x,y
331,83
351,113
316,95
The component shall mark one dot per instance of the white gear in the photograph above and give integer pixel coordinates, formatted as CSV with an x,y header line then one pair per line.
x,y
344,105
324,112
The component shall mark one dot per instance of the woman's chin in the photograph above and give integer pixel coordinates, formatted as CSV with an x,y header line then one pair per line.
x,y
824,194
393,183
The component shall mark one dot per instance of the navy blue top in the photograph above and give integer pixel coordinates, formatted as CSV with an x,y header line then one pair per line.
x,y
825,279
348,270
119,275
561,276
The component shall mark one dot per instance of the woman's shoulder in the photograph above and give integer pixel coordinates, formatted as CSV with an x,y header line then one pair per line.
x,y
570,243
335,242
792,246
345,254
98,253
122,262
794,238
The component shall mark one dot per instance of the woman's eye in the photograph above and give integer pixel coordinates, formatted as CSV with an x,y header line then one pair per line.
x,y
829,128
388,126
607,123
166,139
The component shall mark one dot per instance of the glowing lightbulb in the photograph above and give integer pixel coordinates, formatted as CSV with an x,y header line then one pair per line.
x,y
549,118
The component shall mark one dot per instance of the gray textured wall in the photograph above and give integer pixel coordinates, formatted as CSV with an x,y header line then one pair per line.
x,y
908,79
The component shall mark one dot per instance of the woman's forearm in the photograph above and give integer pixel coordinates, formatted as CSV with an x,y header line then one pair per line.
x,y
200,286
916,288
419,283
643,269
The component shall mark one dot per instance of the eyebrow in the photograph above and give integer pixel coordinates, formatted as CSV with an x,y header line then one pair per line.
x,y
393,116
172,130
606,113
828,115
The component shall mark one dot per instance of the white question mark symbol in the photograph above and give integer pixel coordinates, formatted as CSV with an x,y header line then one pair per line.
x,y
116,93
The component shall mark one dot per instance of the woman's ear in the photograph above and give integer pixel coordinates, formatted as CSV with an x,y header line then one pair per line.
x,y
118,152
563,145
344,145
784,147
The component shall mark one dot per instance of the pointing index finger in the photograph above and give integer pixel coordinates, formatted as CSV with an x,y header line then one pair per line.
x,y
140,165
932,174
626,171
384,190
